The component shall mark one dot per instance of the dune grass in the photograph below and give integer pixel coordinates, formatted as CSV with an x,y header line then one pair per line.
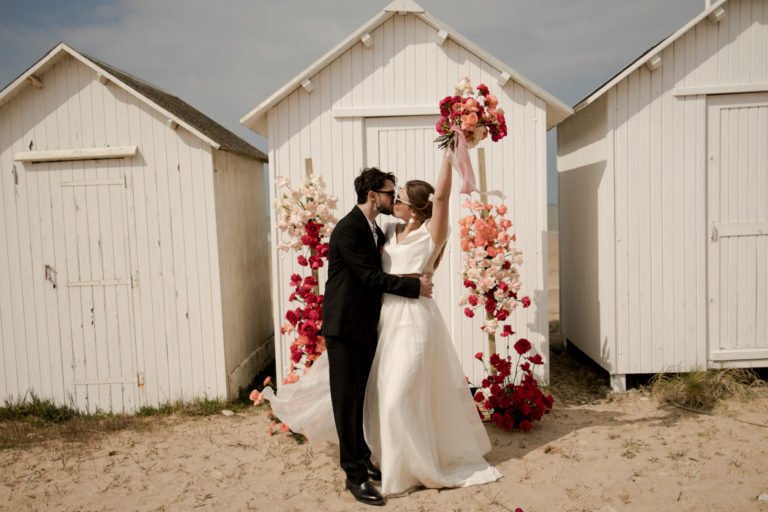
x,y
704,390
31,420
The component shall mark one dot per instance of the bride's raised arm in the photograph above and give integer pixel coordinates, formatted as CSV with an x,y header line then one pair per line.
x,y
438,228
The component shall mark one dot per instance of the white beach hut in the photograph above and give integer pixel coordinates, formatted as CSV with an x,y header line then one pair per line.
x,y
133,234
663,195
373,101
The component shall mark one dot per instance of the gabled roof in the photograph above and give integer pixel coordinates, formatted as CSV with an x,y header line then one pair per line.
x,y
256,119
169,105
646,56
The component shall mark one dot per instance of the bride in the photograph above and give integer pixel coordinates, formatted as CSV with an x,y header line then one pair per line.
x,y
419,418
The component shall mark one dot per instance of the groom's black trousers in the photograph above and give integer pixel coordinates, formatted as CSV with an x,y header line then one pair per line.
x,y
349,365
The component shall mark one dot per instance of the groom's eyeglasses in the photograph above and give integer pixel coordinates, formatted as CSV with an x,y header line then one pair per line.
x,y
390,193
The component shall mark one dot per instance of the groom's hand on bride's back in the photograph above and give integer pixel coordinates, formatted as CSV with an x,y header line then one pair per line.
x,y
426,285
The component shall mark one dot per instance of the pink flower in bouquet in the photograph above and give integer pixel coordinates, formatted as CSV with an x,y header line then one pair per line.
x,y
469,122
471,105
463,87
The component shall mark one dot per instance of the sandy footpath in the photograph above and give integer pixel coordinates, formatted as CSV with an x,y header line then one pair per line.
x,y
626,453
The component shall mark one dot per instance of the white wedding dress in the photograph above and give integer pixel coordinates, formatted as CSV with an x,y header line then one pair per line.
x,y
420,420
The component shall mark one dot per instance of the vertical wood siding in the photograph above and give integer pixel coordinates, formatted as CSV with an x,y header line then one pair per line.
x,y
241,235
659,150
157,229
403,67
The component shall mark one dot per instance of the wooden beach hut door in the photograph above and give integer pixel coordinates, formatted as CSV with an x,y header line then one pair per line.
x,y
405,146
100,283
737,205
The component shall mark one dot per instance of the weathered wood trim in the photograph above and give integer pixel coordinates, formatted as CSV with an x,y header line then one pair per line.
x,y
738,354
416,110
60,155
721,89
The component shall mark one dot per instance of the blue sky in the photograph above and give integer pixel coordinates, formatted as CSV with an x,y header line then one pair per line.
x,y
225,57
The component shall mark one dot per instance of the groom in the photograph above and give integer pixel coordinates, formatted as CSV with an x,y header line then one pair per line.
x,y
350,319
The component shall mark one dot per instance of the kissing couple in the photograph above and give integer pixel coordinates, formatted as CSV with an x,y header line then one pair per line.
x,y
390,374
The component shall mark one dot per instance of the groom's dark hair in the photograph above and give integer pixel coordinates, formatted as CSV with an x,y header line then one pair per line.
x,y
371,178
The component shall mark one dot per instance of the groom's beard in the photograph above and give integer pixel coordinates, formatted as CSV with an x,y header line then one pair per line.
x,y
382,208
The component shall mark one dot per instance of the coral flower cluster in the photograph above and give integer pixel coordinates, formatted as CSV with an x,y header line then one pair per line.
x,y
490,274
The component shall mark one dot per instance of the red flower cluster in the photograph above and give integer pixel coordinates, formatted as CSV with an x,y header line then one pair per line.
x,y
476,117
306,319
513,405
318,250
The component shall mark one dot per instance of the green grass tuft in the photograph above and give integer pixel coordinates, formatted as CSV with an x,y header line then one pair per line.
x,y
44,411
705,389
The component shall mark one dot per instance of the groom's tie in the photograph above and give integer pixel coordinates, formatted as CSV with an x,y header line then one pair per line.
x,y
375,236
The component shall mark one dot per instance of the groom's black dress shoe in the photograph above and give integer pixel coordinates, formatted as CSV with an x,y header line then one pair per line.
x,y
365,493
374,473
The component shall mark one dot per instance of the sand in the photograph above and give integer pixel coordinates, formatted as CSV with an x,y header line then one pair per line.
x,y
626,452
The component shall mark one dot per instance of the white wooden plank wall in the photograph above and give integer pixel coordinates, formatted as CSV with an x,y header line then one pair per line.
x,y
405,66
660,160
159,229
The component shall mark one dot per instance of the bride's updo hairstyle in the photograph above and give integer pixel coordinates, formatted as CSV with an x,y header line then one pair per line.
x,y
418,192
418,195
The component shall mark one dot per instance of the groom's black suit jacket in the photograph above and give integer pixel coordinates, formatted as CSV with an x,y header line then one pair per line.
x,y
352,300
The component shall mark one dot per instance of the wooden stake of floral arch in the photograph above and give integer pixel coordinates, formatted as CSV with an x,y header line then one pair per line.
x,y
483,187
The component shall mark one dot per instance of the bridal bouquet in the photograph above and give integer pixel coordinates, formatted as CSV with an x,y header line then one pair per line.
x,y
490,272
511,405
467,118
305,215
474,114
